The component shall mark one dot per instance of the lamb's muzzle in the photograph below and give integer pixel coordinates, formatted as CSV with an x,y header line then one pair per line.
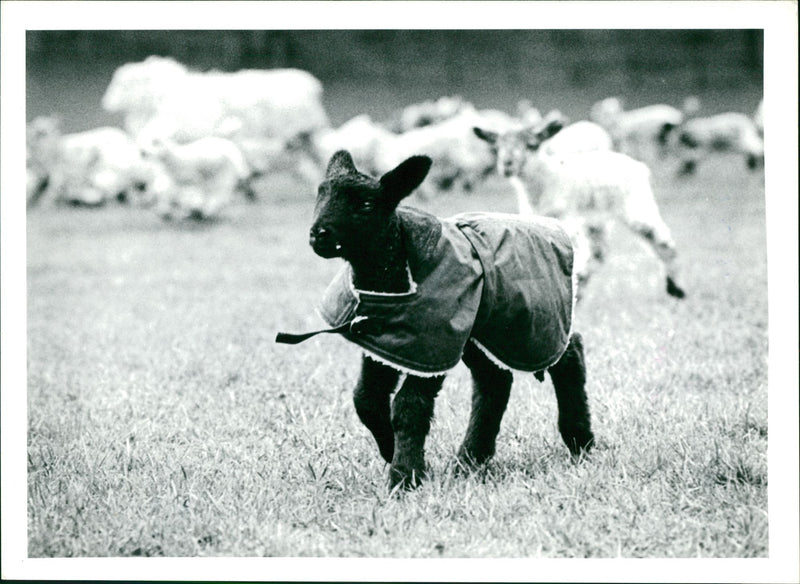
x,y
323,243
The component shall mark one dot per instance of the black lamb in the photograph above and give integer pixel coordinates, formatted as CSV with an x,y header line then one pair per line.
x,y
419,293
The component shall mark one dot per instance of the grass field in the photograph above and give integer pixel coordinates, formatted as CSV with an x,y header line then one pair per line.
x,y
164,421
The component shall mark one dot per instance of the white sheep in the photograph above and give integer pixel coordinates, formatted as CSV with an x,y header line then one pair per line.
x,y
733,132
296,158
587,191
580,136
86,168
162,98
43,135
426,113
458,159
643,131
361,136
196,180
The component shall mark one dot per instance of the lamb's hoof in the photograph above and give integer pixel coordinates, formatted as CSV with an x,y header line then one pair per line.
x,y
401,479
468,460
580,443
674,290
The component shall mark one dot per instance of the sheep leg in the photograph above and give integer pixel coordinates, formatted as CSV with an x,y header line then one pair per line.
x,y
491,388
664,248
412,411
657,235
596,232
569,380
589,249
372,399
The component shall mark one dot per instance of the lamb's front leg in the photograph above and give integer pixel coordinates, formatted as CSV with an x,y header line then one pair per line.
x,y
490,392
372,399
412,411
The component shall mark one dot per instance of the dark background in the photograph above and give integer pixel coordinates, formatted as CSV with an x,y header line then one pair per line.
x,y
379,71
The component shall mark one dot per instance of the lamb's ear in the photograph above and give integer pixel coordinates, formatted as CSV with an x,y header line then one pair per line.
x,y
486,135
341,163
399,182
548,128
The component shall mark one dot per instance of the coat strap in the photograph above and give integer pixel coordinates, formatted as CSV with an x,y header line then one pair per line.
x,y
359,325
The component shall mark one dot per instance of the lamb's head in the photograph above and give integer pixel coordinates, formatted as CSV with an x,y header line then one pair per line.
x,y
354,210
511,148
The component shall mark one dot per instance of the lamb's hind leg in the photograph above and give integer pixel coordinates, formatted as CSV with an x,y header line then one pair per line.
x,y
569,380
490,393
656,233
372,399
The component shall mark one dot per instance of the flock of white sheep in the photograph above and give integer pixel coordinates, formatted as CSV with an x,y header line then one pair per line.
x,y
194,141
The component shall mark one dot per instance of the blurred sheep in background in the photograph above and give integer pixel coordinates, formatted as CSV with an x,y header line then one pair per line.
x,y
267,113
361,136
41,154
194,140
733,132
160,97
458,161
641,133
574,138
86,168
195,180
587,190
418,115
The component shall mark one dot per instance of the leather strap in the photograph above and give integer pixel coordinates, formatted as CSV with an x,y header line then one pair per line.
x,y
359,325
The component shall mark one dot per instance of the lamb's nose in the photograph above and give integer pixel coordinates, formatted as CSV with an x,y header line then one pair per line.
x,y
317,234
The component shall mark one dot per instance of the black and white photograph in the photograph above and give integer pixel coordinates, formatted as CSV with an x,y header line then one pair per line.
x,y
400,291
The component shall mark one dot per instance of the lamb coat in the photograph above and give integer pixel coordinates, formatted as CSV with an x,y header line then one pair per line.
x,y
501,281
